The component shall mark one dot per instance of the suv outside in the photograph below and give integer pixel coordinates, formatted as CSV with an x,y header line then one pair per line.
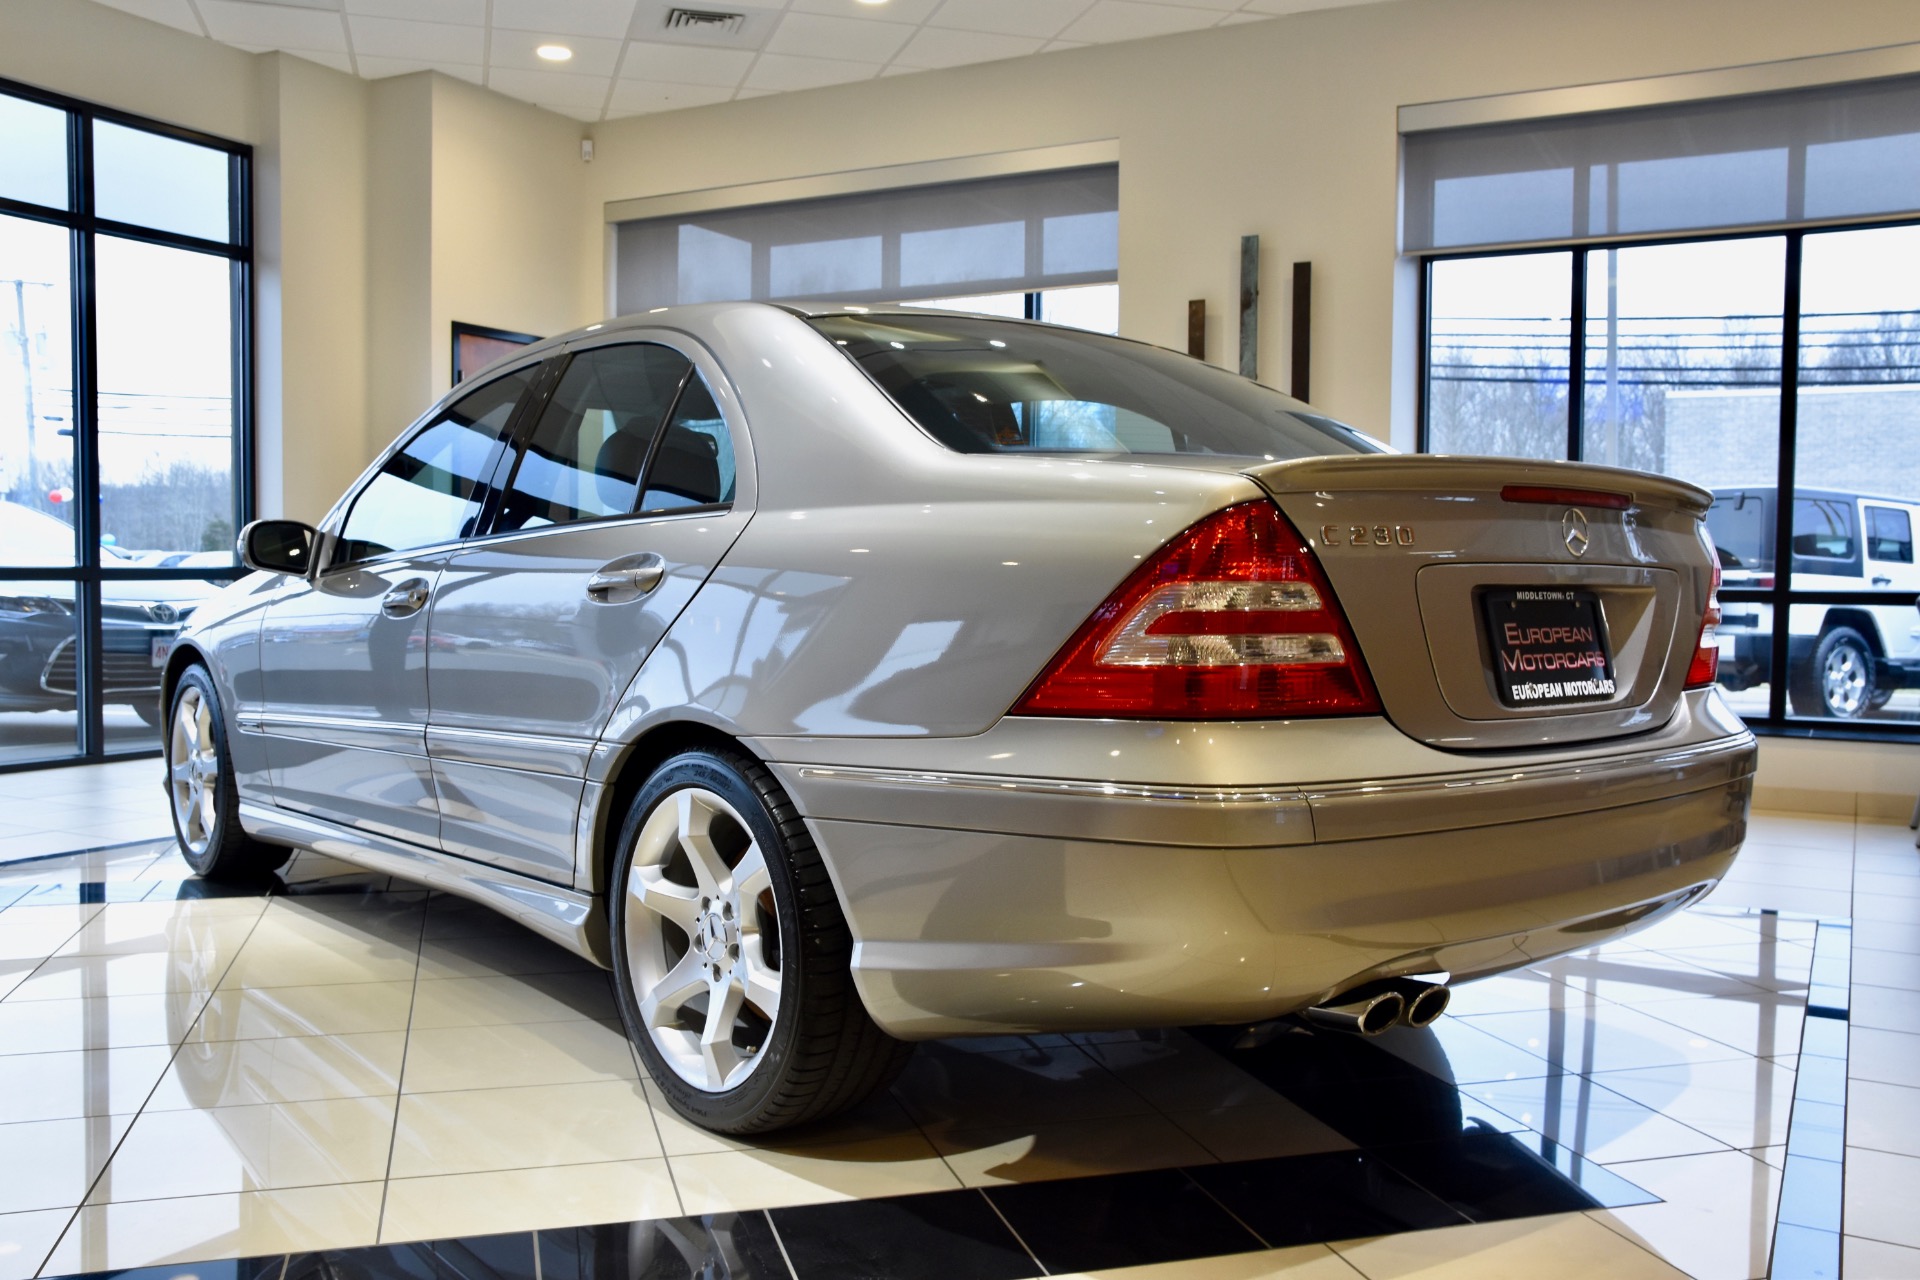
x,y
1843,660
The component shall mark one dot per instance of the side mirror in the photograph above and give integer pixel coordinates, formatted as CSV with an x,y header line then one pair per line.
x,y
278,546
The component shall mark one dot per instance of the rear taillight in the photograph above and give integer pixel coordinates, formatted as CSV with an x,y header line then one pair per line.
x,y
1231,620
1705,667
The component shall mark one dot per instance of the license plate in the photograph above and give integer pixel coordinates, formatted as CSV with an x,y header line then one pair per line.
x,y
1549,646
162,646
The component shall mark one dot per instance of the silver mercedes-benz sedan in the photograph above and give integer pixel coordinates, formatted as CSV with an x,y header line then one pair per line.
x,y
844,678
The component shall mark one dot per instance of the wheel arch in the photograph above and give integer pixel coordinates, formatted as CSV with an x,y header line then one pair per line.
x,y
185,654
1859,620
629,771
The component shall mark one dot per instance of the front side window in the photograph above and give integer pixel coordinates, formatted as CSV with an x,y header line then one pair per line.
x,y
984,386
1823,528
585,458
429,490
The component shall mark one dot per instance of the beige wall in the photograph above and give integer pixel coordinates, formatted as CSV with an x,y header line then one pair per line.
x,y
1283,128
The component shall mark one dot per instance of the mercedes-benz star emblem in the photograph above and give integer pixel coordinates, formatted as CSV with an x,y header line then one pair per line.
x,y
1573,527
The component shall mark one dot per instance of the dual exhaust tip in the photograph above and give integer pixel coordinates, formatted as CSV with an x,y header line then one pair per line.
x,y
1372,1009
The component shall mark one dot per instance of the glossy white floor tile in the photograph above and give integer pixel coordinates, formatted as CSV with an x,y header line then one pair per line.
x,y
228,1076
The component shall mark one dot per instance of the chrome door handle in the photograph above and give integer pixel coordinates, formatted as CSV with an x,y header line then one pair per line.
x,y
406,599
620,581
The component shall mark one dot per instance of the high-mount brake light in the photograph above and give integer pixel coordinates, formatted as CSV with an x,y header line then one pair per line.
x,y
1233,619
1567,497
1705,667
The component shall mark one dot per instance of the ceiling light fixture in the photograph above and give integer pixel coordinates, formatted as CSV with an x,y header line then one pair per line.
x,y
554,52
874,2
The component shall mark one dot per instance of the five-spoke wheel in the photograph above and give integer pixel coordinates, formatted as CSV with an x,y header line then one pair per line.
x,y
731,953
205,801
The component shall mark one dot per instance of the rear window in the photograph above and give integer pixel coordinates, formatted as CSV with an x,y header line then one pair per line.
x,y
986,386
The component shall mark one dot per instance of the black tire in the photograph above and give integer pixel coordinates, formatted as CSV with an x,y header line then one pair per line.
x,y
206,825
820,1053
1837,681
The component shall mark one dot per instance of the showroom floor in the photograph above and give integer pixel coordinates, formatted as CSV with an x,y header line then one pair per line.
x,y
287,1078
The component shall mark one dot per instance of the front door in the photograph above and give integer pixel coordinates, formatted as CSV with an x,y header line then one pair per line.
x,y
343,658
608,526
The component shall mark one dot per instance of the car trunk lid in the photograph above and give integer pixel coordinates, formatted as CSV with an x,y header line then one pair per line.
x,y
1474,585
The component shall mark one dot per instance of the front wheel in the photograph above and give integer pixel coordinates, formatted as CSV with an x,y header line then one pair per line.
x,y
205,801
1838,680
731,953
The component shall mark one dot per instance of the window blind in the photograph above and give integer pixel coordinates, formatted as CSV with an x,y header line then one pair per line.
x,y
1835,152
1028,231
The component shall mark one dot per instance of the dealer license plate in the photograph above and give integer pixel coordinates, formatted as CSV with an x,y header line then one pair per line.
x,y
162,646
1549,646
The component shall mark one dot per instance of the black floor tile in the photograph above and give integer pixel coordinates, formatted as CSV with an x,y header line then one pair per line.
x,y
501,1257
1335,1195
1123,1220
948,1235
1488,1175
719,1246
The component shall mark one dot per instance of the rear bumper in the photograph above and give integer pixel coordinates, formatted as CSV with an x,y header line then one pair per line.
x,y
990,904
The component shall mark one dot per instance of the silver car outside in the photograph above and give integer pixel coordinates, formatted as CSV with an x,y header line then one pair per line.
x,y
760,756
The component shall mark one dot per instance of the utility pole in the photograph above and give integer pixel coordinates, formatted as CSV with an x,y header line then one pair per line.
x,y
26,377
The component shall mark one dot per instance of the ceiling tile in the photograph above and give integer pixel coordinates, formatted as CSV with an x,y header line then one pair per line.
x,y
572,18
1054,46
555,89
1218,6
1233,19
679,64
815,36
470,13
911,11
427,41
1276,7
273,27
177,14
591,56
936,48
779,71
338,61
1010,17
1111,20
637,97
377,68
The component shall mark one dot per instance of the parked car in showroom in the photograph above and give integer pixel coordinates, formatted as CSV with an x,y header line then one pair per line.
x,y
1843,660
38,639
844,678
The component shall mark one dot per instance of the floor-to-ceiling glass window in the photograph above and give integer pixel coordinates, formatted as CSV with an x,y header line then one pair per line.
x,y
1727,291
124,412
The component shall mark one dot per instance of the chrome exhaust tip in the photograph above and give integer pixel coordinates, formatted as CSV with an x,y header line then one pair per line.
x,y
1365,1015
1426,1001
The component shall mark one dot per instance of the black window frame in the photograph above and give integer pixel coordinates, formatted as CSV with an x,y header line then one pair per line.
x,y
1777,721
83,226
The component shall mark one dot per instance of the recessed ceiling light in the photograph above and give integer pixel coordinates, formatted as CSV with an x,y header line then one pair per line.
x,y
873,1
554,52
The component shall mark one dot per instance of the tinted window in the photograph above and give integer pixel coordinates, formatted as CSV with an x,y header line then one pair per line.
x,y
1823,528
1890,534
984,386
429,489
585,458
1742,532
693,465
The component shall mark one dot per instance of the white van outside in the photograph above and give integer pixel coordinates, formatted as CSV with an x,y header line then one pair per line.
x,y
1843,660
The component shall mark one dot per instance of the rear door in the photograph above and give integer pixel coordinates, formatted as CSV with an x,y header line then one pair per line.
x,y
623,499
343,656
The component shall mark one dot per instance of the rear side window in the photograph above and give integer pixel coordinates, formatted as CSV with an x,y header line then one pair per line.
x,y
429,490
1890,534
1742,532
1823,528
693,464
985,386
585,458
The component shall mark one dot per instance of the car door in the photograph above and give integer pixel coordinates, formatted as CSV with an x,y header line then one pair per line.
x,y
343,655
622,500
1891,568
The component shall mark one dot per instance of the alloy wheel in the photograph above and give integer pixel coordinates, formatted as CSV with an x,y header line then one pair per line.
x,y
193,770
702,939
1844,680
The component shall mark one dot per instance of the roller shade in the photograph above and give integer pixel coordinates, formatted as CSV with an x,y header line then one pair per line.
x,y
1031,231
1847,151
